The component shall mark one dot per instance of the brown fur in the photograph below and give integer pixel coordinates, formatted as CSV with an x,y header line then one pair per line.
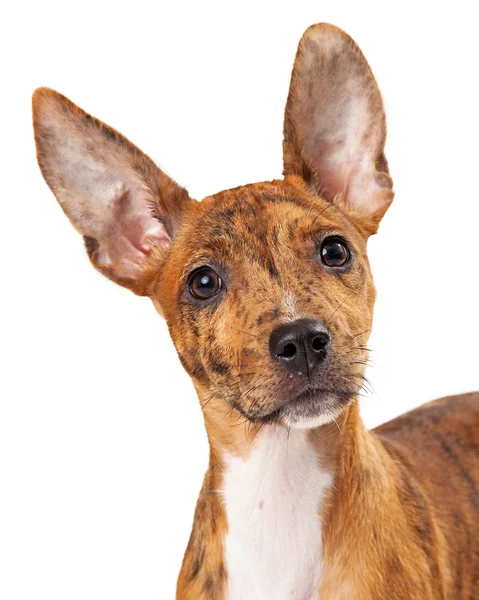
x,y
401,520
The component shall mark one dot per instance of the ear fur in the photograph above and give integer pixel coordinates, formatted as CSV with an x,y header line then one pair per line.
x,y
114,195
335,127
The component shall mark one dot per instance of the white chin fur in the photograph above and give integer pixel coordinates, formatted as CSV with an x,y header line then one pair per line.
x,y
309,422
312,414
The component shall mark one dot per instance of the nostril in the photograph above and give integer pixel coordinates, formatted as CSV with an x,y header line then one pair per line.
x,y
288,351
300,346
320,341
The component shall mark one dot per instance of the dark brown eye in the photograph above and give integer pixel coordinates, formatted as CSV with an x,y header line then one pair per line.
x,y
204,283
334,252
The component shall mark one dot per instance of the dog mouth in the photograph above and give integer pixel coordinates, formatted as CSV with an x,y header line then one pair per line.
x,y
312,407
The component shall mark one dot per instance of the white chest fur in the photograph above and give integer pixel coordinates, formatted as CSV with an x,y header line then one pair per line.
x,y
272,501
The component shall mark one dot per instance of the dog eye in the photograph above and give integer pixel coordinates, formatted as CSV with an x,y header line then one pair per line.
x,y
334,252
204,283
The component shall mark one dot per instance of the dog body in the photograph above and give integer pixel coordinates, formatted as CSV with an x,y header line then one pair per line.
x,y
269,298
355,514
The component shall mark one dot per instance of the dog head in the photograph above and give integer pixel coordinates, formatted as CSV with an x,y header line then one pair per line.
x,y
266,288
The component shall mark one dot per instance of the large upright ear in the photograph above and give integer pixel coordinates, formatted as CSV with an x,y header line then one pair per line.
x,y
116,197
335,127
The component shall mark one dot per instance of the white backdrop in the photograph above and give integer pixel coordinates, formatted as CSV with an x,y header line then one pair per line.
x,y
102,446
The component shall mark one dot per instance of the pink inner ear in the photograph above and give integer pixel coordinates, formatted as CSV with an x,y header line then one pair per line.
x,y
343,140
129,233
331,183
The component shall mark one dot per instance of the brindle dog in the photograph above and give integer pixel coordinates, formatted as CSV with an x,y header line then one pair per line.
x,y
268,296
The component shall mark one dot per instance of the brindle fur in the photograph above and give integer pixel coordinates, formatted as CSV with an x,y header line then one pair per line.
x,y
400,522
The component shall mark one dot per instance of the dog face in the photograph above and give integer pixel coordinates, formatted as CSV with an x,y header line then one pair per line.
x,y
266,288
268,296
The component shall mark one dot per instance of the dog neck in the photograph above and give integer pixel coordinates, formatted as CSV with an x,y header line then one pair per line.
x,y
271,498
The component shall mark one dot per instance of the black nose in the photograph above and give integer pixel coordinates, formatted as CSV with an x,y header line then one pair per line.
x,y
301,345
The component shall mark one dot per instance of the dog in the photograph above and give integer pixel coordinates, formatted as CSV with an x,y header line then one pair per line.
x,y
268,296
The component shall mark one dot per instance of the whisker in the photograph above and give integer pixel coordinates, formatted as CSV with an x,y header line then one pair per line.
x,y
339,428
359,334
256,432
203,404
239,424
359,348
366,363
317,216
245,332
337,308
310,210
229,411
367,384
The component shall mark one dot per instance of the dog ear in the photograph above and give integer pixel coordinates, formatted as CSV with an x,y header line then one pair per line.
x,y
126,208
335,127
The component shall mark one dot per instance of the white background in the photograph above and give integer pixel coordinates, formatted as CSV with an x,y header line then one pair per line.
x,y
102,446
